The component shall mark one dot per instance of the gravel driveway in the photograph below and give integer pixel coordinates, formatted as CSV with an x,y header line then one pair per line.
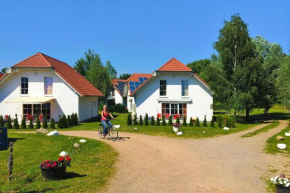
x,y
221,164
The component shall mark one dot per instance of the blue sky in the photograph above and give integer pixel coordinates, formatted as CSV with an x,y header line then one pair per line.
x,y
136,36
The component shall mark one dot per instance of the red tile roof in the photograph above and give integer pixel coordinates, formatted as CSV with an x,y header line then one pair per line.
x,y
173,65
67,73
1,75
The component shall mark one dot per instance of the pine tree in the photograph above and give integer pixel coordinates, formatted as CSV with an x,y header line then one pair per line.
x,y
8,124
146,120
16,124
44,124
212,122
184,121
31,124
23,122
129,119
1,121
152,121
177,120
170,121
158,121
135,120
163,121
69,122
191,122
141,120
72,117
197,122
37,123
52,124
76,120
204,122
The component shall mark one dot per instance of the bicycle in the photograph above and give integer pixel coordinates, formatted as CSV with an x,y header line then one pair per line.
x,y
112,132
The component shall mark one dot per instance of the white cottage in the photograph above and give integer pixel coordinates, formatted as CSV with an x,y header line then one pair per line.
x,y
174,89
42,83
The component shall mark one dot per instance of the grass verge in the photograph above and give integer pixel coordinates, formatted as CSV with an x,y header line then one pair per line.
x,y
264,129
92,164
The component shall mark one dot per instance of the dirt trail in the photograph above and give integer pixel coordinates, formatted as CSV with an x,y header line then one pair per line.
x,y
222,164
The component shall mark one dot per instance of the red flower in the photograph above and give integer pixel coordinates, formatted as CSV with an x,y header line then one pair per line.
x,y
61,159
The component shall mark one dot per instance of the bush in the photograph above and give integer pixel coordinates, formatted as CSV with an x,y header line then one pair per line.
x,y
44,124
23,122
111,109
158,121
62,123
119,108
52,124
141,120
163,121
212,122
146,120
228,124
170,121
69,121
37,123
31,124
184,121
1,121
129,119
190,122
8,124
233,121
204,122
177,120
135,120
152,121
197,122
76,119
15,123
220,121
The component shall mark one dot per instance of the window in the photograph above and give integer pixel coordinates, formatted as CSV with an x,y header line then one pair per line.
x,y
184,87
46,110
162,87
27,109
24,85
174,109
36,110
48,85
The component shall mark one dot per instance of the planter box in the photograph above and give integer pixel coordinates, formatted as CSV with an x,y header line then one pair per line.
x,y
280,189
53,173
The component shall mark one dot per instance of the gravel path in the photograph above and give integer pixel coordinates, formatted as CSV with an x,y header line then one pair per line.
x,y
222,164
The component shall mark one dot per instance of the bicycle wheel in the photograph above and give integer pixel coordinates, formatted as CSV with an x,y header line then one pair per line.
x,y
113,133
100,131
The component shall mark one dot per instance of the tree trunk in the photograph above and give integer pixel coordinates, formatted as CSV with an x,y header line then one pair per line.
x,y
266,111
247,114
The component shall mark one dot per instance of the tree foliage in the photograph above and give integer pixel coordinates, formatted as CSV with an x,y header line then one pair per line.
x,y
283,82
124,76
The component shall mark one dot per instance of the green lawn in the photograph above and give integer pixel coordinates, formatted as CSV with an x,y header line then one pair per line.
x,y
264,129
92,164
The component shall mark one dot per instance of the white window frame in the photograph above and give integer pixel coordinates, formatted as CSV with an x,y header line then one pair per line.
x,y
160,89
24,88
51,85
184,90
170,108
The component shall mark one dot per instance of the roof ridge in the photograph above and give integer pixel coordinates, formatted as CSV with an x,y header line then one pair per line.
x,y
166,63
42,55
174,65
27,58
52,58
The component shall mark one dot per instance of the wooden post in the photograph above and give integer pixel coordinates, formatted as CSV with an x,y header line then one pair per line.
x,y
10,161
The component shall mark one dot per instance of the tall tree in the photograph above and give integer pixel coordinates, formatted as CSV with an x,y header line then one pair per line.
x,y
200,67
83,65
240,67
124,76
111,70
283,82
272,55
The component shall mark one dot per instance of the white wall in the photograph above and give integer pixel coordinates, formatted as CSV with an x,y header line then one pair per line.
x,y
66,99
147,98
118,98
88,108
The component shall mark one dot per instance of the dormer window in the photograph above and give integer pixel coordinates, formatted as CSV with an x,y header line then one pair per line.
x,y
24,85
48,83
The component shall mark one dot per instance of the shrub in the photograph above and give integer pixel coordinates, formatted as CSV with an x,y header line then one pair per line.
x,y
184,121
15,123
190,122
212,122
141,120
135,120
119,108
69,122
228,124
204,122
8,124
76,119
177,120
158,121
62,123
111,108
197,122
23,122
37,123
170,121
146,119
31,124
1,121
163,121
220,121
129,119
44,124
52,124
152,121
233,121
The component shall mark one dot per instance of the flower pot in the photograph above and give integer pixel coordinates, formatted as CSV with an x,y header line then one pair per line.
x,y
281,189
53,173
175,129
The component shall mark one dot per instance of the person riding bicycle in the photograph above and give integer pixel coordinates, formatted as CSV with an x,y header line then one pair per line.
x,y
105,120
